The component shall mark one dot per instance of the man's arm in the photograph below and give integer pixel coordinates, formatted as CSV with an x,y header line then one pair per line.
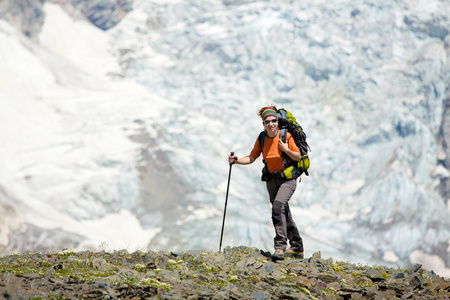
x,y
246,160
292,154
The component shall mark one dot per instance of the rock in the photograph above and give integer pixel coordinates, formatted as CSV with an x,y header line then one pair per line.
x,y
375,275
123,286
269,267
99,264
171,276
223,295
303,281
445,286
370,291
327,278
416,267
414,280
259,296
30,275
396,285
277,274
92,294
115,278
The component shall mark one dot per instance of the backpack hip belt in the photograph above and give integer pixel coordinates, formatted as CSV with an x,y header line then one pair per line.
x,y
282,175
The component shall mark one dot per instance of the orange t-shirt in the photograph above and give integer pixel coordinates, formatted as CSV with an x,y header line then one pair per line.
x,y
272,153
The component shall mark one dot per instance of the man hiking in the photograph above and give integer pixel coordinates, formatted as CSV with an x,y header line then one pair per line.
x,y
276,152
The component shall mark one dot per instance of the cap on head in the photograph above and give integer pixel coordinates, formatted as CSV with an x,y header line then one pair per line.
x,y
267,112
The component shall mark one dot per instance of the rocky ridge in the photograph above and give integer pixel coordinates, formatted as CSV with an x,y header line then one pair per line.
x,y
236,273
369,81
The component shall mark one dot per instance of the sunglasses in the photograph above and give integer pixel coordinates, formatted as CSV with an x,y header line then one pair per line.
x,y
267,122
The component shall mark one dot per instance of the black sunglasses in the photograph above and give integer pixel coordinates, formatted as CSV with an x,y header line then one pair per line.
x,y
267,122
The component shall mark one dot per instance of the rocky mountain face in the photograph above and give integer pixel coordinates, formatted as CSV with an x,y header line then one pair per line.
x,y
145,99
444,144
28,15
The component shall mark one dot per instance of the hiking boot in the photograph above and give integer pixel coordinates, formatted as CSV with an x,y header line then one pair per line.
x,y
293,253
278,254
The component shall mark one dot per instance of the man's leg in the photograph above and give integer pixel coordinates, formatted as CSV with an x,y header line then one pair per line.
x,y
295,240
279,197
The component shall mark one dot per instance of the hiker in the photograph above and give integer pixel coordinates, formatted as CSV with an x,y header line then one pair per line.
x,y
280,189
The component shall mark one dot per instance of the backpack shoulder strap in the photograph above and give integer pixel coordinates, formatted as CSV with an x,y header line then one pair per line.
x,y
283,134
261,140
283,137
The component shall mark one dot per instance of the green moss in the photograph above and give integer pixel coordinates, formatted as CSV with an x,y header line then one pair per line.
x,y
55,297
140,268
45,264
176,265
156,284
330,293
356,274
365,283
336,267
131,281
253,278
218,283
24,265
64,254
307,292
93,275
376,267
60,274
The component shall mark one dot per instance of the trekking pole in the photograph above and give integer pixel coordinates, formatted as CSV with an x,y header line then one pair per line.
x,y
226,200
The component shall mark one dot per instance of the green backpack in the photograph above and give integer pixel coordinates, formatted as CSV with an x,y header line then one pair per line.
x,y
288,123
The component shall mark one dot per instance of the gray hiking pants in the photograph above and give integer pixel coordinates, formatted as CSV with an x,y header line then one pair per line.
x,y
285,228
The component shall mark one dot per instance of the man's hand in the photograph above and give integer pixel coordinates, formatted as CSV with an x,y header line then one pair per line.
x,y
283,146
232,158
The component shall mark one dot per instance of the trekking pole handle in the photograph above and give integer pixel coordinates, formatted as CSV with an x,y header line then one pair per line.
x,y
232,154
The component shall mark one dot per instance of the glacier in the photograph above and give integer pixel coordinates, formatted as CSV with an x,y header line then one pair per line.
x,y
119,137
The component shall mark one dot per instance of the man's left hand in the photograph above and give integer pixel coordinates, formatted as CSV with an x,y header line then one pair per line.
x,y
283,146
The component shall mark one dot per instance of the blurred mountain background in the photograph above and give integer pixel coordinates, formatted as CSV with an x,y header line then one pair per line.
x,y
117,116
